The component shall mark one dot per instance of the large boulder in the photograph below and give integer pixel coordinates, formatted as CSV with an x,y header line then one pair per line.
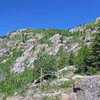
x,y
88,88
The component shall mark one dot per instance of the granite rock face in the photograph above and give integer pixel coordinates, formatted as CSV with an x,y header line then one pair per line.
x,y
88,88
97,20
10,33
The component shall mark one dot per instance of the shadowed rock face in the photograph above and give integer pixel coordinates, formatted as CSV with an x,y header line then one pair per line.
x,y
88,88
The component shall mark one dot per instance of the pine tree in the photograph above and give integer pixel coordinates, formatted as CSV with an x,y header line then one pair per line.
x,y
95,55
71,58
82,60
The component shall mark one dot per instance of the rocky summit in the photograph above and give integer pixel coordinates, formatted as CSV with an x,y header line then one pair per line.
x,y
51,64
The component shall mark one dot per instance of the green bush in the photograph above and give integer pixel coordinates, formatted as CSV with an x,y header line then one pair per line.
x,y
17,82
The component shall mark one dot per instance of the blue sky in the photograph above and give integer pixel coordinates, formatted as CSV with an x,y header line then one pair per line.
x,y
37,14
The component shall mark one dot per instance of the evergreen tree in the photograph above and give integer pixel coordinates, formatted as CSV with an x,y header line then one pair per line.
x,y
95,54
88,59
82,60
71,58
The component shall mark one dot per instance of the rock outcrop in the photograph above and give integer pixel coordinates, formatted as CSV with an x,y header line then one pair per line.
x,y
98,20
10,33
88,88
76,29
25,45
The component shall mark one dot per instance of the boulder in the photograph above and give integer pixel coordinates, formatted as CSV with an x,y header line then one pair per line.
x,y
88,88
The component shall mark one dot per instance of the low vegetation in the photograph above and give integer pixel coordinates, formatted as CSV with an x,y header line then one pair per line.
x,y
86,61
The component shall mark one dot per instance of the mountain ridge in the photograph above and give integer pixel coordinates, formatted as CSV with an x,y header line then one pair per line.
x,y
24,52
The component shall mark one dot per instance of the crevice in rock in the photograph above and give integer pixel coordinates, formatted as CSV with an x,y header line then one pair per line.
x,y
76,89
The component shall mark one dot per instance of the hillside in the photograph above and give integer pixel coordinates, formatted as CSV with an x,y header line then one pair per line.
x,y
43,64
